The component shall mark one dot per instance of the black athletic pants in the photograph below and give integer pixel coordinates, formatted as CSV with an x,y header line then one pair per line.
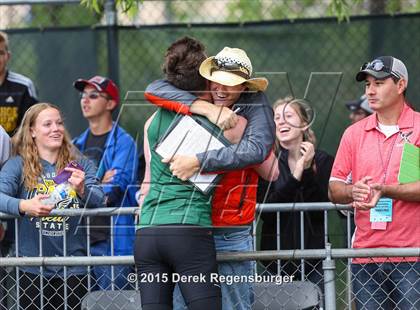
x,y
182,254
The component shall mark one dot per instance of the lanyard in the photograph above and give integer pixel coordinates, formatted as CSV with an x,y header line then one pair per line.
x,y
385,166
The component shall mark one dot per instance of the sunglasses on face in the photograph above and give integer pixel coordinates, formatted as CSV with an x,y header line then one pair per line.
x,y
93,95
378,66
230,66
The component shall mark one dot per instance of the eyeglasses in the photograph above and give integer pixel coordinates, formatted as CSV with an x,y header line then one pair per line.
x,y
378,66
224,65
93,95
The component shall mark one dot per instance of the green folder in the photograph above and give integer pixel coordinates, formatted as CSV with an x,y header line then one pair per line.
x,y
410,164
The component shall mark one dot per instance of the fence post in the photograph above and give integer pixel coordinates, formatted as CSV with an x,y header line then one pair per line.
x,y
328,265
112,40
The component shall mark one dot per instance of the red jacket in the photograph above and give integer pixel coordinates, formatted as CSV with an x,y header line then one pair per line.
x,y
234,198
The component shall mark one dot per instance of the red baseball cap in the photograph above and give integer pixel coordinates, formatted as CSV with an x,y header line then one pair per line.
x,y
101,84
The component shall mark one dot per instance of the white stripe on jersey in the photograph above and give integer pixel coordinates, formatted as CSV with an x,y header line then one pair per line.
x,y
21,79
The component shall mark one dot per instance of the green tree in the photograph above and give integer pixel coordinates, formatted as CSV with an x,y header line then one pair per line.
x,y
127,6
257,10
58,15
247,9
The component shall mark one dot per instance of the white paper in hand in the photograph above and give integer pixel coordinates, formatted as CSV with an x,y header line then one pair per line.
x,y
188,137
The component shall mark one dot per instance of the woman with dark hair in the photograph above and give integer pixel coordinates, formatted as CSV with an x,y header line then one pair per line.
x,y
42,149
174,236
304,178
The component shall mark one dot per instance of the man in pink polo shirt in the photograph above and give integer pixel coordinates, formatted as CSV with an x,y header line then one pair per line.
x,y
387,213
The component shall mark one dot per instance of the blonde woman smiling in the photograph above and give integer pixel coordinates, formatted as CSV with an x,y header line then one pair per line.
x,y
41,149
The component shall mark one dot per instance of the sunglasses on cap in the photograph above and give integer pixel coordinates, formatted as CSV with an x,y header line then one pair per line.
x,y
93,95
378,66
230,66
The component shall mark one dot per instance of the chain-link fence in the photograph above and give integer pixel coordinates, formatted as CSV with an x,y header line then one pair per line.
x,y
282,279
316,58
65,13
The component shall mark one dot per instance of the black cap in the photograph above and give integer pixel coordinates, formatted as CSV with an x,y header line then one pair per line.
x,y
382,68
362,103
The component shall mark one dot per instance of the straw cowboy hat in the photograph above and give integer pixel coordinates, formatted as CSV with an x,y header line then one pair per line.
x,y
231,67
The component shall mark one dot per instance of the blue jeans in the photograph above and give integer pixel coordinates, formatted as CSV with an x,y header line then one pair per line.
x,y
102,273
237,296
386,285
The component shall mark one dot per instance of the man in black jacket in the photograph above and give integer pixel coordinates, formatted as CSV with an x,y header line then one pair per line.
x,y
17,92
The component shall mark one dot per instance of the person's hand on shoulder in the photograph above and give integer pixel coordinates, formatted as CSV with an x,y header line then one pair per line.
x,y
222,117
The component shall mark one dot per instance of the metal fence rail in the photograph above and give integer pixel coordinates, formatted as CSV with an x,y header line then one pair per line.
x,y
221,257
330,267
264,207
